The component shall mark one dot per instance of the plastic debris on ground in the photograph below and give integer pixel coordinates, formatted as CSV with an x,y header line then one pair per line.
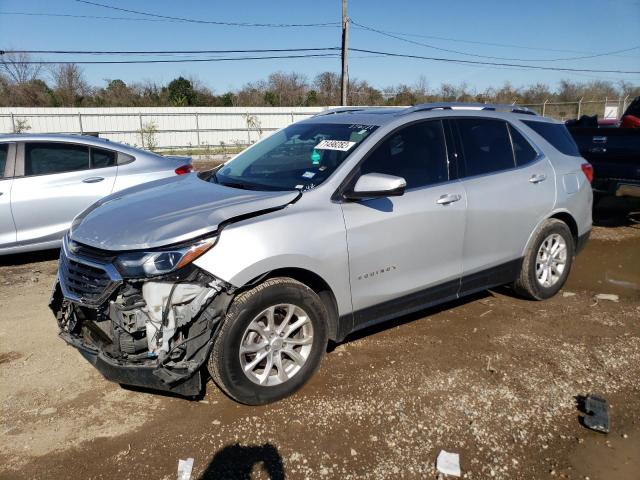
x,y
596,410
184,469
607,296
448,463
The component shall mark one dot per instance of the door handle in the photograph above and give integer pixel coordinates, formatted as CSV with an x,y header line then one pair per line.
x,y
538,178
93,179
448,198
597,150
601,139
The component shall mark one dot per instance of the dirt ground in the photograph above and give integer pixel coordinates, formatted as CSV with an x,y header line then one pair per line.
x,y
492,377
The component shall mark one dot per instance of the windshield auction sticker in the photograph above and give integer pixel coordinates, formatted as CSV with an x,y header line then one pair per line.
x,y
341,145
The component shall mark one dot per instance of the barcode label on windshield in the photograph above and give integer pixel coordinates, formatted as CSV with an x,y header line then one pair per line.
x,y
342,145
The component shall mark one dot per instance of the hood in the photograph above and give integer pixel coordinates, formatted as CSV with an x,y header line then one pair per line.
x,y
168,211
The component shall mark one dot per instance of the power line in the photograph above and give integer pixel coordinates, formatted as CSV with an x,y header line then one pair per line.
x,y
98,17
391,35
209,22
499,64
185,60
132,19
478,42
307,55
160,52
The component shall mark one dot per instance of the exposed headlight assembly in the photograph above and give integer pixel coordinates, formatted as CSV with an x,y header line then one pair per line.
x,y
160,262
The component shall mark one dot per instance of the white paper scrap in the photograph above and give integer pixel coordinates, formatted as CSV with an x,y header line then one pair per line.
x,y
342,145
448,463
184,469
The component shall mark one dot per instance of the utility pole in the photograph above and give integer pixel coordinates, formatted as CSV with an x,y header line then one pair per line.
x,y
345,53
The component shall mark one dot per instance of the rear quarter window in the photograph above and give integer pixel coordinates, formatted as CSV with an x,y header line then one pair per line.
x,y
103,158
557,135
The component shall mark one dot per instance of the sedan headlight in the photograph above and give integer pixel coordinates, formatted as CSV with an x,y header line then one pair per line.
x,y
160,262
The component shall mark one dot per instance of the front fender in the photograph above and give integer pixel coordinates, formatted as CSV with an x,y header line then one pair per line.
x,y
312,240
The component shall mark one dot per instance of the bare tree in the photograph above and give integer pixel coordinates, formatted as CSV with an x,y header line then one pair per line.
x,y
289,88
17,67
70,84
327,84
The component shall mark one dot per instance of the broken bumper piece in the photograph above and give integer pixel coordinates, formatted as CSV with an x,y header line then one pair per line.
x,y
179,381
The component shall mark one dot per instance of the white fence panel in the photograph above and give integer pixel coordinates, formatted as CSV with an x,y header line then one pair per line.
x,y
178,127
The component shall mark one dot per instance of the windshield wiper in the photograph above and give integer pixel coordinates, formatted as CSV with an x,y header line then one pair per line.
x,y
241,185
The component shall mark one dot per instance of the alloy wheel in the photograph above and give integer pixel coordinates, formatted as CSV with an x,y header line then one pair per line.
x,y
276,344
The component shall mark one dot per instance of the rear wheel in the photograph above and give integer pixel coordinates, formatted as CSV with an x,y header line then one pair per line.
x,y
271,342
547,262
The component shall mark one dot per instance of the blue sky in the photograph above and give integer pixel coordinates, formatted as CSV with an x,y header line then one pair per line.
x,y
548,29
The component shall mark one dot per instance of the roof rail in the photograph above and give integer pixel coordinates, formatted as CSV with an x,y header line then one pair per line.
x,y
425,107
333,111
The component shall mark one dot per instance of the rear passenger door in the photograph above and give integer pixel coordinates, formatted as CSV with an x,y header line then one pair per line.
x,y
510,188
54,182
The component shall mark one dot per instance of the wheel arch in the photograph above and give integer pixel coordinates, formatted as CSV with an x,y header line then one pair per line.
x,y
567,218
562,215
316,283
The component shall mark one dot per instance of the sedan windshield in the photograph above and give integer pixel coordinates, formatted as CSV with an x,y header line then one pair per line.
x,y
300,157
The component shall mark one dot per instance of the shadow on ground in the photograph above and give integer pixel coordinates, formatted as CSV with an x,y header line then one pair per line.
x,y
617,212
237,462
29,257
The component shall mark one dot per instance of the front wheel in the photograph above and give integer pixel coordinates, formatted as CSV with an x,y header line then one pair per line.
x,y
547,262
271,342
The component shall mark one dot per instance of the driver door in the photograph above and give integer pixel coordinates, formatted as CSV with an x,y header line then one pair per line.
x,y
405,252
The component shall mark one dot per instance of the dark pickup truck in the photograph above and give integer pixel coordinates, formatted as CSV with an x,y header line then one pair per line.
x,y
613,151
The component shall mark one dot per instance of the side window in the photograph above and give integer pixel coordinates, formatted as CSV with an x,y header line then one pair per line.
x,y
4,150
47,158
103,158
522,149
557,135
416,153
486,145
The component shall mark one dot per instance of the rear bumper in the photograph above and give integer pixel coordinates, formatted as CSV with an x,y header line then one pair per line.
x,y
186,383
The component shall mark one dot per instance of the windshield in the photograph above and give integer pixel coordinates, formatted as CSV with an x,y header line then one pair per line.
x,y
300,157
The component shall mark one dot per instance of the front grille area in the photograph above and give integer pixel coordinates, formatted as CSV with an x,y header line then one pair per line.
x,y
90,253
88,284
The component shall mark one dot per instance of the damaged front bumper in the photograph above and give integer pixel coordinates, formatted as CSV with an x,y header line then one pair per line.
x,y
184,382
154,333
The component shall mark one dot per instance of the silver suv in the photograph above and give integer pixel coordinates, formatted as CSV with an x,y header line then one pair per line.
x,y
335,223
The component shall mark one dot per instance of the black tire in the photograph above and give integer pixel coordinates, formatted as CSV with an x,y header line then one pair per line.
x,y
527,283
224,362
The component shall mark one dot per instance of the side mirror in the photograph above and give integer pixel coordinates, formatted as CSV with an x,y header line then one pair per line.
x,y
377,185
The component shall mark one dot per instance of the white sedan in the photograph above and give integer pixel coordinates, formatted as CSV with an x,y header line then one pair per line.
x,y
47,179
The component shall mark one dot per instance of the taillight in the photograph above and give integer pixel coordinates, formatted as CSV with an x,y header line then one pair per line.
x,y
184,169
587,169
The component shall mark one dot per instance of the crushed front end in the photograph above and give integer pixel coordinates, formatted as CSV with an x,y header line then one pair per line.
x,y
153,331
